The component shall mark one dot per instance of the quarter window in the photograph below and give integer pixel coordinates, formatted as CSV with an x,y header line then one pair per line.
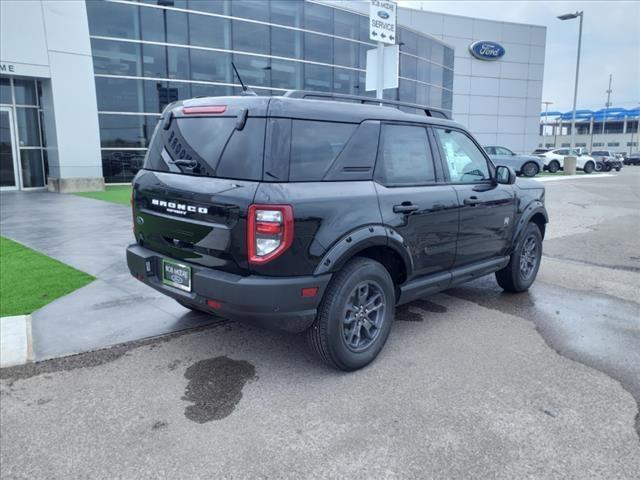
x,y
405,157
314,145
465,161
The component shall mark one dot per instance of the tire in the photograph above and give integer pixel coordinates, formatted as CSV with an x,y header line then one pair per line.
x,y
512,278
331,338
618,169
589,167
607,168
598,166
554,166
530,169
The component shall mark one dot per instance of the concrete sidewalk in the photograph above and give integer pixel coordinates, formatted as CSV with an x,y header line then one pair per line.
x,y
90,235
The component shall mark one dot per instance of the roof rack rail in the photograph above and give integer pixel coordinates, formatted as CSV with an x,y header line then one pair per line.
x,y
428,111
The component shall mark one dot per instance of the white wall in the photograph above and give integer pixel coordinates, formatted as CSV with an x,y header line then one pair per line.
x,y
49,39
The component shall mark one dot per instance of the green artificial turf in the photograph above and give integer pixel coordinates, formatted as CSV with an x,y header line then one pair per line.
x,y
29,280
114,193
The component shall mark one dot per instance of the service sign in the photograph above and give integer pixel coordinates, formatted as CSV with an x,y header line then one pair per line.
x,y
382,21
485,50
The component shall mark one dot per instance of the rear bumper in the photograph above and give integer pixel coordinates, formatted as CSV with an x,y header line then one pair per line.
x,y
272,302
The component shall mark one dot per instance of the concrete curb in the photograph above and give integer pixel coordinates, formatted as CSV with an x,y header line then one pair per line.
x,y
572,177
15,340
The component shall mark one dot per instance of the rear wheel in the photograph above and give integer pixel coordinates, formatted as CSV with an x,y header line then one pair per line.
x,y
530,169
355,316
618,168
522,269
589,167
598,166
554,166
607,168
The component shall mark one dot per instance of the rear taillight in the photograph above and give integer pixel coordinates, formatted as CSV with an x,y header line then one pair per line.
x,y
269,232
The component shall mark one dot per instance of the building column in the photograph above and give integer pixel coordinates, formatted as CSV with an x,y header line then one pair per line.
x,y
624,125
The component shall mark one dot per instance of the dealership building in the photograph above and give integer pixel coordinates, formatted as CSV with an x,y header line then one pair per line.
x,y
82,83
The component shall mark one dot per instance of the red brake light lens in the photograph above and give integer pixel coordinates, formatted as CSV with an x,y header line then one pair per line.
x,y
204,110
269,232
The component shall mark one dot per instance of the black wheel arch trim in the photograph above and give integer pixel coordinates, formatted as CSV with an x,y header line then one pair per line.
x,y
534,208
360,239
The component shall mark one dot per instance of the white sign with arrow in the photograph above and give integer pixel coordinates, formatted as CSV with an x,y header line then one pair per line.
x,y
382,21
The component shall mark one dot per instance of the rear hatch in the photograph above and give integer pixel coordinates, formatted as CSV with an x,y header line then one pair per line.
x,y
200,175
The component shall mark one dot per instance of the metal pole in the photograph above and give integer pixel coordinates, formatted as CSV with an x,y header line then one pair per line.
x,y
607,105
380,70
575,89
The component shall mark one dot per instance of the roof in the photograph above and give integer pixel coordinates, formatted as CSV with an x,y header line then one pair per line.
x,y
612,113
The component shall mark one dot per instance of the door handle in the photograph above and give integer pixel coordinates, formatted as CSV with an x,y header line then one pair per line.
x,y
405,207
471,201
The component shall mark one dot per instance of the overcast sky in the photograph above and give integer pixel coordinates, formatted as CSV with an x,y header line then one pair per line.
x,y
610,44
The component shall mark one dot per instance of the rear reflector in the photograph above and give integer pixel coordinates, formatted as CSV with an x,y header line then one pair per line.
x,y
204,110
214,303
310,292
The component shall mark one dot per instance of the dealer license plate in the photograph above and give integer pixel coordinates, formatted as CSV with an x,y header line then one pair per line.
x,y
176,275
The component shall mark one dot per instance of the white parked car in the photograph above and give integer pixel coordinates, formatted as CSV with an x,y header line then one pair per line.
x,y
554,160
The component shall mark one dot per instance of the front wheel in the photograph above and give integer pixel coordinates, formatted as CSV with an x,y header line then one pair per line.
x,y
530,169
524,263
589,167
355,316
598,166
554,166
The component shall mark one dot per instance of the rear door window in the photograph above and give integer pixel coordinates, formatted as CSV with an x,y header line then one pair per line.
x,y
314,146
405,156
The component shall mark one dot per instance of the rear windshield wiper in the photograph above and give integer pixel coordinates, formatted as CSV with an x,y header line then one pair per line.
x,y
186,163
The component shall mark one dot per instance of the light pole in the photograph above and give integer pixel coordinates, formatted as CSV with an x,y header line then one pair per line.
x,y
546,117
570,16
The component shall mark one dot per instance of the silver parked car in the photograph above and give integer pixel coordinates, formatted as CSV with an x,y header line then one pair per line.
x,y
526,165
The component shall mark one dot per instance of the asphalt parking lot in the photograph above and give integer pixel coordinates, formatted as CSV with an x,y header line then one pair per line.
x,y
472,382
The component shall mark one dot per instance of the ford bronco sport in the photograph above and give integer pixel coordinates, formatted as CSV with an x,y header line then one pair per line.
x,y
322,212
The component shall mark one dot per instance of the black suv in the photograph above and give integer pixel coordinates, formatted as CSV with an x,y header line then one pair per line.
x,y
322,212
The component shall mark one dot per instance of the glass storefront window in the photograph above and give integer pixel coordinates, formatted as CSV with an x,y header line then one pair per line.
x,y
178,66
32,171
437,53
285,74
117,20
408,66
318,77
286,43
253,70
208,31
151,24
286,12
122,131
154,61
318,18
5,90
202,90
119,95
158,94
25,91
250,37
407,90
422,94
116,58
345,53
408,41
345,24
211,6
121,165
210,66
318,48
424,48
254,9
345,81
28,127
423,72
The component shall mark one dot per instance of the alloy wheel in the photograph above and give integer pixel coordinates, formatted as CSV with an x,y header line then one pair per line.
x,y
528,257
363,316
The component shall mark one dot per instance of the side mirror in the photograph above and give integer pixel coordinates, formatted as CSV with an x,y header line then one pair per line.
x,y
505,175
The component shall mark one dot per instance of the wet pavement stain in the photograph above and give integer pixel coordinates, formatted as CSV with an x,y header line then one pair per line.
x,y
159,425
404,314
215,387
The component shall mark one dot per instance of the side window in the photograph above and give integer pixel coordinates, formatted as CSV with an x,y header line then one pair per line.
x,y
314,145
490,150
502,151
405,157
465,161
562,152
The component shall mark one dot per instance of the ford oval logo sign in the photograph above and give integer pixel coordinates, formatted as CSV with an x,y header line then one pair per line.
x,y
484,50
383,15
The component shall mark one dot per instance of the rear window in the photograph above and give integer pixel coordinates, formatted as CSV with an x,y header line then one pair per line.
x,y
405,157
209,146
314,146
600,153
